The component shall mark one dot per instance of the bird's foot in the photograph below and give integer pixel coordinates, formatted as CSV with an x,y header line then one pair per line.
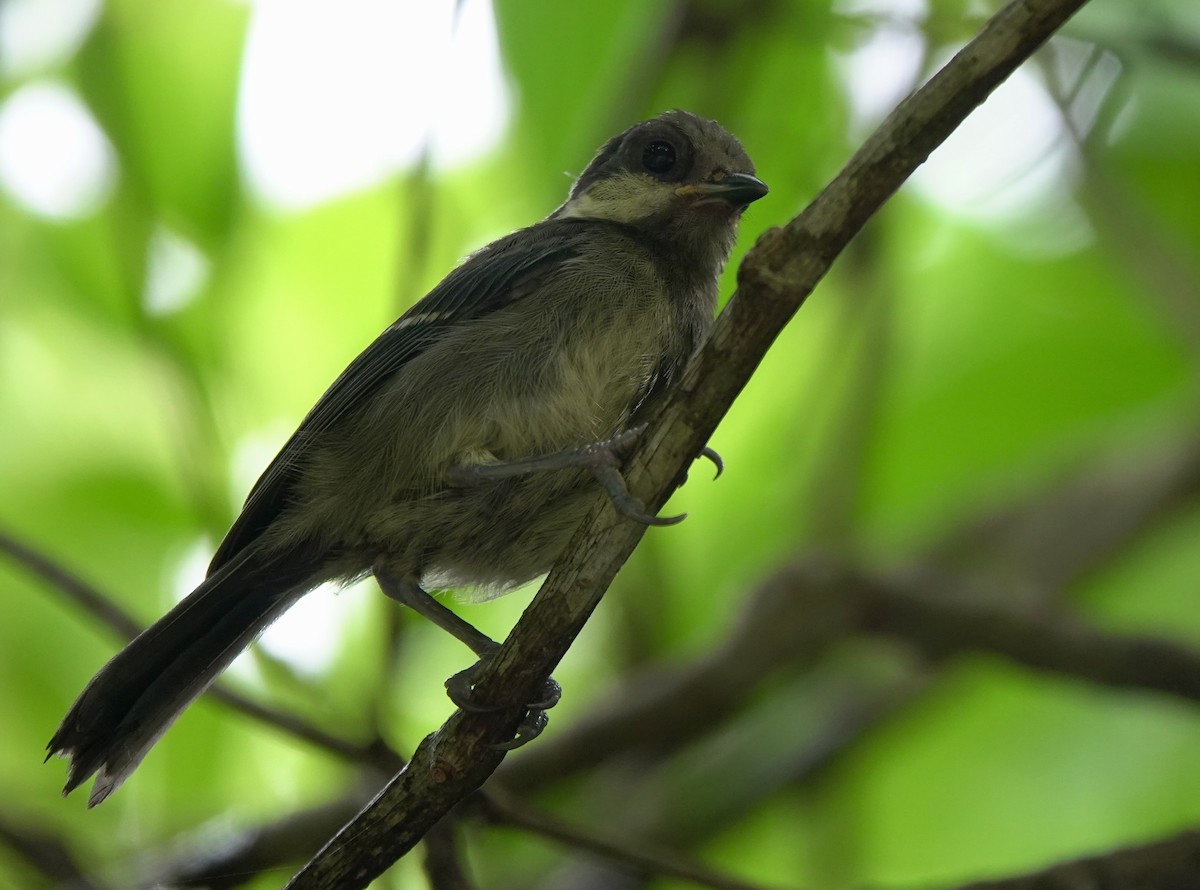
x,y
461,690
603,459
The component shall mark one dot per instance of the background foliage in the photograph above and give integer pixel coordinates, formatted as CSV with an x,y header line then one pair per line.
x,y
999,380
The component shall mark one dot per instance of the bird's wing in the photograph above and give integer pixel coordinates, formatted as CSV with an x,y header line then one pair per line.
x,y
485,282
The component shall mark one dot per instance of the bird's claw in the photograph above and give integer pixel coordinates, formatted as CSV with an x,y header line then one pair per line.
x,y
603,459
461,690
626,504
717,462
530,728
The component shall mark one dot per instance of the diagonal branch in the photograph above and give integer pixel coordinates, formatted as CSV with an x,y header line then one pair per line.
x,y
1170,864
777,276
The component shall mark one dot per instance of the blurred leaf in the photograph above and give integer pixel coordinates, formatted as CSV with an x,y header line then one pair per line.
x,y
162,79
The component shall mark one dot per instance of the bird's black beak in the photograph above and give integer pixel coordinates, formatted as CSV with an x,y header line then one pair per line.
x,y
738,189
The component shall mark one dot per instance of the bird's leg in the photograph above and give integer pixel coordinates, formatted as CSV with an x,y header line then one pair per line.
x,y
459,687
411,594
602,458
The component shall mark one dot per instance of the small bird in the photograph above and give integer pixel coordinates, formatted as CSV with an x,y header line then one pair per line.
x,y
464,445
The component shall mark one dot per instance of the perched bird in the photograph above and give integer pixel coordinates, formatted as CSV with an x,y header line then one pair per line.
x,y
463,446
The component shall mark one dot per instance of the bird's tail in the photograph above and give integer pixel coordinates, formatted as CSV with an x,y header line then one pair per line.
x,y
130,703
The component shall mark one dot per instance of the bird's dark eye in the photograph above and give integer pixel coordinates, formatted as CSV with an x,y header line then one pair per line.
x,y
658,157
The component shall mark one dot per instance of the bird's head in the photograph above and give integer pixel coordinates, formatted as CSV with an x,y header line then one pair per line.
x,y
678,178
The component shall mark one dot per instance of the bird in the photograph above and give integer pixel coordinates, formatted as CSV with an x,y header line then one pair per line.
x,y
465,444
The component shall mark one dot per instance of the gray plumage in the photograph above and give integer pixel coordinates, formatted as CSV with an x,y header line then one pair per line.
x,y
556,336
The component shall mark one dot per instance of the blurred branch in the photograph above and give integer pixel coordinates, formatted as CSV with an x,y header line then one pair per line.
x,y
412,255
1050,536
1174,47
444,868
793,618
774,281
233,862
1153,254
933,613
394,630
837,478
646,71
626,851
1055,536
928,610
1080,523
1032,545
1156,257
47,855
227,862
75,589
659,711
375,754
1163,865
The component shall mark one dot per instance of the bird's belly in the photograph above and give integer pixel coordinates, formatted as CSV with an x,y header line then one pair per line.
x,y
495,534
492,535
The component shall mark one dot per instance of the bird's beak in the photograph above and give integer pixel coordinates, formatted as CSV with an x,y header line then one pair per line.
x,y
738,189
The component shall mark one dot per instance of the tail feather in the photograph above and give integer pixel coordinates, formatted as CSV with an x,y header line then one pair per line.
x,y
138,694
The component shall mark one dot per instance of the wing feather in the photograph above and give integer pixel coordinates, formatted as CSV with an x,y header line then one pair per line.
x,y
487,281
